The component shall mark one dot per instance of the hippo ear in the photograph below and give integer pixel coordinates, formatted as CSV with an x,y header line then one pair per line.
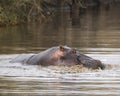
x,y
61,48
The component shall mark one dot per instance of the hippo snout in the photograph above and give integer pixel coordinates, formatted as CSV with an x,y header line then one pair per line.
x,y
92,63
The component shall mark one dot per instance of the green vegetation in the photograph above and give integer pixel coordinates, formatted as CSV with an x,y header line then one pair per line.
x,y
20,11
14,12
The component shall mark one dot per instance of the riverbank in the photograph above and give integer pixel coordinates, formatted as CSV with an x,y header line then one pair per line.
x,y
13,12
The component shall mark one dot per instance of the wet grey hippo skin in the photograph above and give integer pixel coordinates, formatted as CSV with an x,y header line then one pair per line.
x,y
59,55
89,62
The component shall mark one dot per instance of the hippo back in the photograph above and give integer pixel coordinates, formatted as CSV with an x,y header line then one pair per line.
x,y
43,58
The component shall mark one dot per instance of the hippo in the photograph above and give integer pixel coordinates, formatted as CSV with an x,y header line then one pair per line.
x,y
59,55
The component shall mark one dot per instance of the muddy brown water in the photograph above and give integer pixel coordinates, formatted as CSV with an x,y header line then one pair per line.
x,y
97,34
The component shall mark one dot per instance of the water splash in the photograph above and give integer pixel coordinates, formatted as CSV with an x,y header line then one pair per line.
x,y
30,79
17,69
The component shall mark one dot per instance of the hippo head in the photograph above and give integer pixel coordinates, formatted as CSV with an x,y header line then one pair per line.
x,y
67,56
71,56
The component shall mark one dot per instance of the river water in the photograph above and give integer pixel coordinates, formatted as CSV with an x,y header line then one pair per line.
x,y
96,34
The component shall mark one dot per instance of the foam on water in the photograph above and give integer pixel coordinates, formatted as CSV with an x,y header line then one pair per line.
x,y
17,69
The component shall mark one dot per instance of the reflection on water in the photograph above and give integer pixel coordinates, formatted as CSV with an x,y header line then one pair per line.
x,y
97,35
99,29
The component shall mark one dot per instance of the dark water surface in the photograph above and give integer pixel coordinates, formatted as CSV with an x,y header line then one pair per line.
x,y
97,34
